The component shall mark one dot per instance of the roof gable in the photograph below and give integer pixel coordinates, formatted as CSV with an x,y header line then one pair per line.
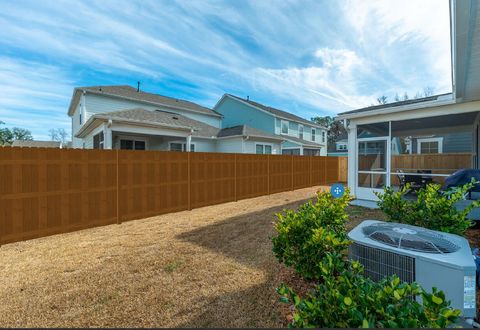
x,y
130,93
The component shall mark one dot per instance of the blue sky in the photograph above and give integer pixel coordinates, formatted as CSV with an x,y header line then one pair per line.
x,y
307,57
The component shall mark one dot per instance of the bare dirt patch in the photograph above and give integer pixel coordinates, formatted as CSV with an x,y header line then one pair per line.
x,y
210,267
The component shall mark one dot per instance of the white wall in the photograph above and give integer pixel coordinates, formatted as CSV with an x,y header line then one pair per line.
x,y
230,145
250,146
76,142
88,140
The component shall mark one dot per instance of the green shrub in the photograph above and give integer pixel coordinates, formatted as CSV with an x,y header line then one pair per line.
x,y
305,236
352,300
432,209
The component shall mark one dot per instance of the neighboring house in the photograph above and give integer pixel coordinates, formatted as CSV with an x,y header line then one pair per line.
x,y
427,138
338,147
122,117
38,144
301,136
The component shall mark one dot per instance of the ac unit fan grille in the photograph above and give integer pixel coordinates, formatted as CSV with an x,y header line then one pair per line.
x,y
379,263
410,238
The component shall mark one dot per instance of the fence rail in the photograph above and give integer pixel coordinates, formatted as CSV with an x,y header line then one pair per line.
x,y
51,191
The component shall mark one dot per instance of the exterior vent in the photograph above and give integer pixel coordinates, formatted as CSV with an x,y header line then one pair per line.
x,y
379,263
409,238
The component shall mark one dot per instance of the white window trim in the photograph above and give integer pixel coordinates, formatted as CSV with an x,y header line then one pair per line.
x,y
281,127
183,143
264,144
133,138
313,136
303,131
439,140
324,136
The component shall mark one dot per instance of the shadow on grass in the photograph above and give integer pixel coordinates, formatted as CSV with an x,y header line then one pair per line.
x,y
246,239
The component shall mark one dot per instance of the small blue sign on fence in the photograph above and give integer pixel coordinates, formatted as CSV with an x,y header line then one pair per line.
x,y
337,190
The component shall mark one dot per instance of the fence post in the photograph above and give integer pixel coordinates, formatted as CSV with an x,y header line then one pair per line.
x,y
268,174
119,221
235,182
189,181
292,172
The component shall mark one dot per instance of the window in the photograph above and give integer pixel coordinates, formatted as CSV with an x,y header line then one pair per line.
x,y
98,141
263,149
430,146
300,132
131,144
291,152
180,146
341,146
323,136
313,134
284,127
80,118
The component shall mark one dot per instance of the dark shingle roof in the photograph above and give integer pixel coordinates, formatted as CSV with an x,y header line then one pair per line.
x,y
277,112
243,130
131,93
162,117
35,144
395,104
301,141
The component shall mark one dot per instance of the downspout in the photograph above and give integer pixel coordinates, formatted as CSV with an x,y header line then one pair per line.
x,y
245,138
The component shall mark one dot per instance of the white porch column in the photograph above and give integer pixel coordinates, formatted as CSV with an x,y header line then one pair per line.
x,y
352,155
301,150
189,142
107,136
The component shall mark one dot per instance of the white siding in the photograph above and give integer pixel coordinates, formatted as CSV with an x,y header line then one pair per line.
x,y
76,142
251,149
230,145
88,140
100,104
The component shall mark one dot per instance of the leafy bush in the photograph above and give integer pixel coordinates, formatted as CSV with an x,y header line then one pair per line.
x,y
313,240
432,209
352,300
305,236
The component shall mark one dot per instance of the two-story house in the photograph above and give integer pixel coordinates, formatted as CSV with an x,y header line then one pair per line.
x,y
300,136
123,117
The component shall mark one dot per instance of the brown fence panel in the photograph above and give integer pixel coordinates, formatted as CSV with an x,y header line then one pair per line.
x,y
343,169
49,191
252,175
212,178
152,183
280,173
331,164
301,171
318,170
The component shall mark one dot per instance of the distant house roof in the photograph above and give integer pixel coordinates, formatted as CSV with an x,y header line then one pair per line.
x,y
130,93
36,144
303,142
399,104
276,112
156,117
244,130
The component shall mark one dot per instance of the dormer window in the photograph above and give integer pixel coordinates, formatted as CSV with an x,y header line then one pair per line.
x,y
300,132
284,124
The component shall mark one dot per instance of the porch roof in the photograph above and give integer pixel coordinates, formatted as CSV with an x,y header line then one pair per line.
x,y
139,116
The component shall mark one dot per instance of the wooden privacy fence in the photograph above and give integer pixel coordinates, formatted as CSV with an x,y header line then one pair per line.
x,y
51,191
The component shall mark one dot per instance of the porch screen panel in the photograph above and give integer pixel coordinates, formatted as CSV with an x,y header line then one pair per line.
x,y
427,150
252,175
152,183
212,178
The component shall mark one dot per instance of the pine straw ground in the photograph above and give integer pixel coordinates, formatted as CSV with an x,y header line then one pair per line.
x,y
210,267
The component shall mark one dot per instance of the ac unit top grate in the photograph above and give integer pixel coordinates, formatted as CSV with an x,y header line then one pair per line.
x,y
409,238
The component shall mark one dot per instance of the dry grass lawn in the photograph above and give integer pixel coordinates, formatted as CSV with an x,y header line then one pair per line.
x,y
210,267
